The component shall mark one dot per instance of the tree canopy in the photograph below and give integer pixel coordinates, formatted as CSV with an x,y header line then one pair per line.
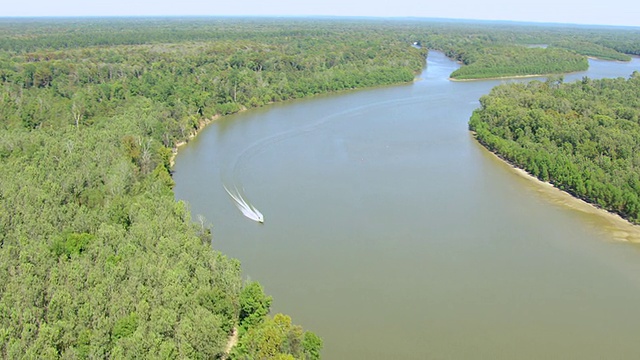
x,y
100,261
582,136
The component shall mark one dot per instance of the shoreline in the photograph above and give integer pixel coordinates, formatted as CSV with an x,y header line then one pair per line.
x,y
613,60
536,75
206,121
502,77
518,76
614,225
201,125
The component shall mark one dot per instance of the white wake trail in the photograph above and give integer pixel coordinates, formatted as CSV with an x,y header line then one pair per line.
x,y
230,169
247,210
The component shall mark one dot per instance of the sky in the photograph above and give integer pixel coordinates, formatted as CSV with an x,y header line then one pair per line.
x,y
600,12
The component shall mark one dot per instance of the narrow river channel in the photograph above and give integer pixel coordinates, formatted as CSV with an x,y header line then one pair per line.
x,y
392,234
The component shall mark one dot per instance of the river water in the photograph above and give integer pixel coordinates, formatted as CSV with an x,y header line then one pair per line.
x,y
393,235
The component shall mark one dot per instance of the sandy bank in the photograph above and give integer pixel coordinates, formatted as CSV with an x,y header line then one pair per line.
x,y
516,77
500,78
612,224
201,125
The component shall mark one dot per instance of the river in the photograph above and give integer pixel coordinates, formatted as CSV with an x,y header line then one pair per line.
x,y
393,235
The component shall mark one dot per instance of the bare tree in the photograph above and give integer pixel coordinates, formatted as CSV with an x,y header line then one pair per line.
x,y
145,155
78,113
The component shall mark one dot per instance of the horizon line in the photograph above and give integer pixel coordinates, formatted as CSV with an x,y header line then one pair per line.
x,y
302,16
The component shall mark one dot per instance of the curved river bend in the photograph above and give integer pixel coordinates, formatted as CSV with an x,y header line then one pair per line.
x,y
393,235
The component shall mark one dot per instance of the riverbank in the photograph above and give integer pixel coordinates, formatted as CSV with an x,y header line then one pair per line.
x,y
500,78
201,125
616,226
206,121
518,76
514,77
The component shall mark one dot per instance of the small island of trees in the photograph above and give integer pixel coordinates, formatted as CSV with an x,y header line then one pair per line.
x,y
582,136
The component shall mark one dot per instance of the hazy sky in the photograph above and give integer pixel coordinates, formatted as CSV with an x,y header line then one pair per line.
x,y
606,12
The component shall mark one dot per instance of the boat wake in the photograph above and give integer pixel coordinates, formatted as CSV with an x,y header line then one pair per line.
x,y
230,171
247,209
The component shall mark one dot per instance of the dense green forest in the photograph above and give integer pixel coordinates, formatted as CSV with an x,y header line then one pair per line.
x,y
99,260
583,137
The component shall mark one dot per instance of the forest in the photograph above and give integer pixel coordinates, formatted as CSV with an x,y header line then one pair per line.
x,y
582,137
100,261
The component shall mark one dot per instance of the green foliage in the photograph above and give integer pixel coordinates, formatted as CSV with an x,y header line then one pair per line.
x,y
99,260
503,50
254,304
71,244
518,61
221,303
277,338
312,345
125,326
592,49
582,137
176,74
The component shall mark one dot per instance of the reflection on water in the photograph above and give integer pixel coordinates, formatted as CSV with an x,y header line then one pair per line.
x,y
392,234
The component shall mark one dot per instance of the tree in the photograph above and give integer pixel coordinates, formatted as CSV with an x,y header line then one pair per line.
x,y
254,304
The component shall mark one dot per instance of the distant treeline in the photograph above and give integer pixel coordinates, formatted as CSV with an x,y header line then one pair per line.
x,y
591,49
583,137
520,61
197,79
503,50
